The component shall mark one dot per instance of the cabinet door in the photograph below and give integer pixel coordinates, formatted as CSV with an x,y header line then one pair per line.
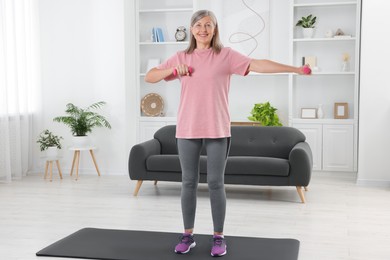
x,y
313,135
338,147
147,130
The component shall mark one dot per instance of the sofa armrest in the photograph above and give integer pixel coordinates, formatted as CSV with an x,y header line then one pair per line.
x,y
301,163
138,155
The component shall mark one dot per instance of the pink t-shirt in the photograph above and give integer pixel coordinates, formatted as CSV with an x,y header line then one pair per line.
x,y
204,105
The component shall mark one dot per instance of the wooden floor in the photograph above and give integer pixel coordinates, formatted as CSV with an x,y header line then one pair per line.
x,y
339,221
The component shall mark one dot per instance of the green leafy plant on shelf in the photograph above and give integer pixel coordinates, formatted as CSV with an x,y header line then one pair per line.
x,y
307,22
47,139
265,114
82,120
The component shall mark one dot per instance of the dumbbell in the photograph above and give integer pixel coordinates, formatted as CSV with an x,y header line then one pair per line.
x,y
175,71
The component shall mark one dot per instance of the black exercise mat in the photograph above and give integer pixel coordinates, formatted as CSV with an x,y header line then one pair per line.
x,y
93,243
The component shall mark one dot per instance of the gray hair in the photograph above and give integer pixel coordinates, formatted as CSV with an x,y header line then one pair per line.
x,y
216,44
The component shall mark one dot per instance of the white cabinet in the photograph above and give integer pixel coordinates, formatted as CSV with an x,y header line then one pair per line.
x,y
313,133
338,148
148,130
332,145
149,126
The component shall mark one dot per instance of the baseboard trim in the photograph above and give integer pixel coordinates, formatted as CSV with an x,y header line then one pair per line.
x,y
84,171
373,183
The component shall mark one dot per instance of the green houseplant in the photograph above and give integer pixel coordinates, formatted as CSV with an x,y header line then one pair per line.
x,y
82,120
307,24
265,114
49,142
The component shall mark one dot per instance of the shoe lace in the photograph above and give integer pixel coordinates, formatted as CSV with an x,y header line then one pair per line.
x,y
186,239
218,241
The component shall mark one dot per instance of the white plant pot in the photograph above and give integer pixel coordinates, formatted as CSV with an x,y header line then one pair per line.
x,y
52,152
308,32
81,141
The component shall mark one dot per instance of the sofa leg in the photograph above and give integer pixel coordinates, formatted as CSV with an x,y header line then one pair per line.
x,y
137,187
155,182
301,194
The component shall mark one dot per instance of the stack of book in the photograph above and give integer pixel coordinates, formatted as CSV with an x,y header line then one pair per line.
x,y
157,34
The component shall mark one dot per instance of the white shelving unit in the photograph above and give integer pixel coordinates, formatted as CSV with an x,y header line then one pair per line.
x,y
333,141
168,15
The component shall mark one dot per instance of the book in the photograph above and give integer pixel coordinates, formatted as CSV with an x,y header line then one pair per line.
x,y
160,35
154,35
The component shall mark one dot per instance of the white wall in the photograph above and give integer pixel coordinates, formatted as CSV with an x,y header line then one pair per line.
x,y
374,127
83,61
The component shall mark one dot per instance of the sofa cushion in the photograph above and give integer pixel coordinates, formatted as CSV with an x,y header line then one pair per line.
x,y
264,141
163,163
251,165
236,165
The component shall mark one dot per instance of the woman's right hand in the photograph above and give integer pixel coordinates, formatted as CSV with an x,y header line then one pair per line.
x,y
181,70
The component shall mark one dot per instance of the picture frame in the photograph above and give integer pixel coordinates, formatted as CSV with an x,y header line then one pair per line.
x,y
309,113
341,110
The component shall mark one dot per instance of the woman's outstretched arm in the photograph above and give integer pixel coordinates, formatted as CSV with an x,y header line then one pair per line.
x,y
268,66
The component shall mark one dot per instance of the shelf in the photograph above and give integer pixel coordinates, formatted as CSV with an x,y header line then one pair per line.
x,y
323,39
325,4
164,43
324,121
166,10
329,73
157,119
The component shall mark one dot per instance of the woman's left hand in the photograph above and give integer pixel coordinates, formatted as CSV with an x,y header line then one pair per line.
x,y
304,70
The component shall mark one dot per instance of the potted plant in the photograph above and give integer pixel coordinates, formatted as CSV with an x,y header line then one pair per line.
x,y
82,120
49,142
307,24
265,114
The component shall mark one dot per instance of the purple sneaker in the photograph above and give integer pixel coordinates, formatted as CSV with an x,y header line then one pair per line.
x,y
186,243
219,246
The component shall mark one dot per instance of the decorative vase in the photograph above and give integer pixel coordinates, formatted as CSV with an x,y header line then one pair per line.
x,y
320,111
308,32
81,141
345,66
52,152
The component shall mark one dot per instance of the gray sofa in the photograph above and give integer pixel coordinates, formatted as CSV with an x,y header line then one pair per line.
x,y
272,156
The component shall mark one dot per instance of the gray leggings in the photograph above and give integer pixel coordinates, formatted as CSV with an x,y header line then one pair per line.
x,y
189,153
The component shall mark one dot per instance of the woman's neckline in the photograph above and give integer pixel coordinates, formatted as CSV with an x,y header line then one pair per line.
x,y
203,50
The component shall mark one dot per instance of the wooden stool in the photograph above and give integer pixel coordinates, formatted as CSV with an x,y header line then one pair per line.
x,y
76,159
49,166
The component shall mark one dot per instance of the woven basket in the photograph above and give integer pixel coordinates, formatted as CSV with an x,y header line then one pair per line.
x,y
152,104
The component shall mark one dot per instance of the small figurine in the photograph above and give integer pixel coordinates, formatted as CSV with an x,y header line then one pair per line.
x,y
339,32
